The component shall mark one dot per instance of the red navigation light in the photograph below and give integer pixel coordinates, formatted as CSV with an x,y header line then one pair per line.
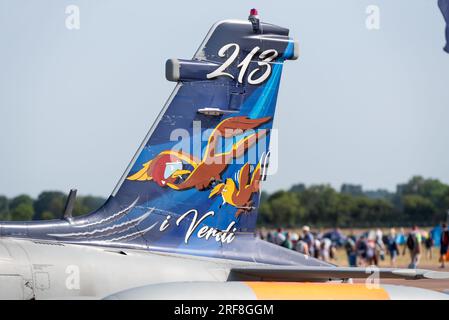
x,y
254,19
253,12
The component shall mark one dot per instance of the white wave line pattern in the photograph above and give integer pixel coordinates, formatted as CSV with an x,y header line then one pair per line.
x,y
132,235
112,217
106,231
165,212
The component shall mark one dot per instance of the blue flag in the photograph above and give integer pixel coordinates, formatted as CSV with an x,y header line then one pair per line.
x,y
444,7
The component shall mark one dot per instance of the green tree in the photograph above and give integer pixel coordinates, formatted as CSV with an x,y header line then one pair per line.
x,y
298,188
431,189
23,212
21,208
419,209
285,208
87,204
4,208
320,202
265,214
48,215
49,201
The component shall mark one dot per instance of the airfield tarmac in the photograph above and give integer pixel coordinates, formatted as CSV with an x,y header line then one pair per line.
x,y
402,262
437,285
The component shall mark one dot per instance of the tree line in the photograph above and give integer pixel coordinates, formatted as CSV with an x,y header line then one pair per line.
x,y
420,201
48,205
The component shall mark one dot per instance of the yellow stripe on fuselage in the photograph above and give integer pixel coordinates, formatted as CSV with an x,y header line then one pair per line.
x,y
315,291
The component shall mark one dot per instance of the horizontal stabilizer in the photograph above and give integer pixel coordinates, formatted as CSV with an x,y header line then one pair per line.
x,y
317,274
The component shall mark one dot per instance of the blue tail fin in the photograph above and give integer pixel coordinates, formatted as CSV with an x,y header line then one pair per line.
x,y
444,7
204,158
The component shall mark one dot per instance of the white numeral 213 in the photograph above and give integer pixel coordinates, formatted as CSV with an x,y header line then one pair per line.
x,y
267,56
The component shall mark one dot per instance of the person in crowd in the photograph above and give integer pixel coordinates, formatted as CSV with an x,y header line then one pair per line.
x,y
325,249
270,236
287,242
413,244
308,238
362,248
261,234
351,250
444,244
279,237
401,239
380,247
316,248
428,244
336,236
294,238
393,247
302,247
333,251
371,251
319,234
273,238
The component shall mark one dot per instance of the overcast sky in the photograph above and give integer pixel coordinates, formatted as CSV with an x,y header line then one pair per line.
x,y
361,106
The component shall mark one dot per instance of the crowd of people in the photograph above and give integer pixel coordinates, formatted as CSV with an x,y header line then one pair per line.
x,y
366,248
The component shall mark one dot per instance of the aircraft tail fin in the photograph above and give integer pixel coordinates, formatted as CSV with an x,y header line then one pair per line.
x,y
203,159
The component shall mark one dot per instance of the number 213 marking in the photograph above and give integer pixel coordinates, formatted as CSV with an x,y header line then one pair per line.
x,y
267,56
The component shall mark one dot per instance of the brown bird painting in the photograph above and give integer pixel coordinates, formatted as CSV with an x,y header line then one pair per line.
x,y
213,163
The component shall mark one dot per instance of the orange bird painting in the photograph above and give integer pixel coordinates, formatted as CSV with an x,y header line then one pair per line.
x,y
239,197
208,169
